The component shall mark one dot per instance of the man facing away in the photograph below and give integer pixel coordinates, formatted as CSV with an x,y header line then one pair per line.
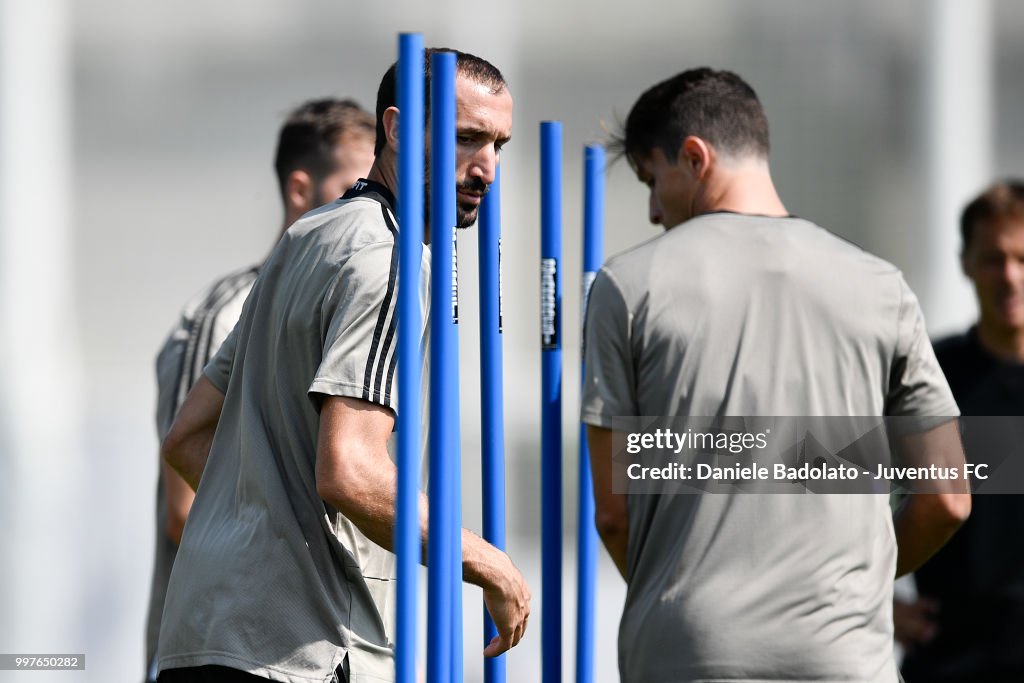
x,y
740,309
977,580
323,147
283,572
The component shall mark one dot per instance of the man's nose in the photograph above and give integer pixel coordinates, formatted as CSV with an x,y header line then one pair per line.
x,y
484,163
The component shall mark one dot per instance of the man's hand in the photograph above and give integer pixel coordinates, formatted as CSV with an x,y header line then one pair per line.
x,y
509,607
914,622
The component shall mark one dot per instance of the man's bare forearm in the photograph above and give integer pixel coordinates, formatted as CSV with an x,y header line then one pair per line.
x,y
372,509
188,458
926,521
187,445
355,474
923,524
178,497
611,517
616,541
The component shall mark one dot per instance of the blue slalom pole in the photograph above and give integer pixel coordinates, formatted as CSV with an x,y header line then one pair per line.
x,y
551,400
455,458
444,381
593,253
492,419
455,472
410,252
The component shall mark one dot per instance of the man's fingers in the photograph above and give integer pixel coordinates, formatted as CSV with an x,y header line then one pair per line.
x,y
497,646
505,642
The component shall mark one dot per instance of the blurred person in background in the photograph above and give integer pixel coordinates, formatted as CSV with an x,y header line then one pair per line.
x,y
968,626
284,571
323,147
741,309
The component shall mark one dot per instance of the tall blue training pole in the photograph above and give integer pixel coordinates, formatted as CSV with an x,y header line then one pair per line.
x,y
410,251
593,252
444,379
454,442
551,400
492,420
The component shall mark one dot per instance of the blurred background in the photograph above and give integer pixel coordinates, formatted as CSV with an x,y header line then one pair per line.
x,y
136,144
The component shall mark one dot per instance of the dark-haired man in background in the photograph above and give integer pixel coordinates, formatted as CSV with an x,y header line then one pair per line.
x,y
741,309
323,147
284,571
976,582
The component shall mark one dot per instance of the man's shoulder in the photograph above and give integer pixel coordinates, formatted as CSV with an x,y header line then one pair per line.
x,y
360,219
709,240
211,299
812,238
220,292
227,290
635,259
335,231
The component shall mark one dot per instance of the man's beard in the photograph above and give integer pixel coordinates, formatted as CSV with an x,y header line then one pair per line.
x,y
465,215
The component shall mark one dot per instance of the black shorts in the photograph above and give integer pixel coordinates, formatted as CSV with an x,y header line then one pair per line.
x,y
223,674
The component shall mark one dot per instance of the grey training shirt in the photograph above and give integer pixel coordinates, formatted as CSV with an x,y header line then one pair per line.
x,y
743,315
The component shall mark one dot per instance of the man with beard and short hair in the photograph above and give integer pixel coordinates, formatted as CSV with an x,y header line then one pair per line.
x,y
283,572
323,147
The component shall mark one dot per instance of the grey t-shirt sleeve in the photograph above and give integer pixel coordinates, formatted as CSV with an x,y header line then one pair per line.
x,y
360,330
609,383
218,369
917,386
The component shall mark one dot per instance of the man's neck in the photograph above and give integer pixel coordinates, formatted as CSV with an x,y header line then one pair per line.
x,y
742,186
1001,342
385,174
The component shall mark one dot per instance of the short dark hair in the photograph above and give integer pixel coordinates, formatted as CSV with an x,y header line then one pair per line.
x,y
1003,199
312,131
716,106
470,66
